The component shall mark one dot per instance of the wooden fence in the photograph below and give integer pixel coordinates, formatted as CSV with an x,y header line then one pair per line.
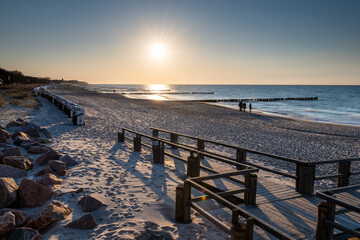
x,y
327,211
305,176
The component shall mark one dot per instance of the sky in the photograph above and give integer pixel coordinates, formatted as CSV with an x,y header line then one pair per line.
x,y
202,42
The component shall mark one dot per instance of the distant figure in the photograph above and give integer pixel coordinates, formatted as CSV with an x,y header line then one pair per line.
x,y
250,107
244,106
114,90
240,105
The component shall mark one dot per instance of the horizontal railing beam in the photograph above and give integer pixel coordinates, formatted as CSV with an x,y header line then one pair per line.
x,y
219,175
343,228
338,202
222,194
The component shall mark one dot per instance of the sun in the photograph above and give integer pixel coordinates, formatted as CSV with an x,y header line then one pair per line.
x,y
158,51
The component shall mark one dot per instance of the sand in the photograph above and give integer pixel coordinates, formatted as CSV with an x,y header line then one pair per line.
x,y
137,191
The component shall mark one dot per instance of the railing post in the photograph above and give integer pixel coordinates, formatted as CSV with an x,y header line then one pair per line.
x,y
186,203
201,147
137,143
326,212
155,133
121,136
250,184
305,178
240,157
174,139
240,231
158,155
179,204
193,166
344,168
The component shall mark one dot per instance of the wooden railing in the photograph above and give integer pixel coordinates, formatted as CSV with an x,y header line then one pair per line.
x,y
305,176
327,212
184,201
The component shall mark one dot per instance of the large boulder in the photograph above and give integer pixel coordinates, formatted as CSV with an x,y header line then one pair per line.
x,y
49,180
85,222
58,167
23,234
15,124
90,204
19,137
50,155
11,172
38,149
69,161
28,143
46,170
53,212
8,192
7,222
12,151
4,136
33,194
20,217
18,162
32,131
45,132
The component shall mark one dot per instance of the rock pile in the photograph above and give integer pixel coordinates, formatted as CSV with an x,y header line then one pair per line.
x,y
23,146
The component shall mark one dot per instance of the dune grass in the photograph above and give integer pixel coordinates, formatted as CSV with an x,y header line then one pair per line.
x,y
19,95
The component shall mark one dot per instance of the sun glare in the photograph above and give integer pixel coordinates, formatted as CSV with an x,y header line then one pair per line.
x,y
158,51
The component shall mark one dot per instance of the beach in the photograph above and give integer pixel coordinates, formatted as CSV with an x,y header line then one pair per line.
x,y
135,190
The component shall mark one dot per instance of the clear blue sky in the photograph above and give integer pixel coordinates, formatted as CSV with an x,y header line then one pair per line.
x,y
206,42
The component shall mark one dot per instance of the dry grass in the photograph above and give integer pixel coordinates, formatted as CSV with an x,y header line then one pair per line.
x,y
19,95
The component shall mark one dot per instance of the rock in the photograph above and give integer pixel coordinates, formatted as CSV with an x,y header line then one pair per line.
x,y
8,192
58,167
154,235
15,124
85,222
90,204
8,171
7,222
49,179
50,155
46,170
38,149
33,194
53,212
20,137
69,161
20,217
18,162
23,234
12,151
4,136
45,132
28,143
32,131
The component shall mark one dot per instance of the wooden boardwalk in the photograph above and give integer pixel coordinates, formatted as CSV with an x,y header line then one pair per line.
x,y
290,211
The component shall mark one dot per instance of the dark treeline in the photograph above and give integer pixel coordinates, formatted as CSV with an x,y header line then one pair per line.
x,y
17,77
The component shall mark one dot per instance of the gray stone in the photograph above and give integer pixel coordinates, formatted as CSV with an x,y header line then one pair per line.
x,y
85,222
23,234
18,162
20,137
46,170
28,143
7,222
50,155
4,136
49,179
33,194
90,204
12,151
58,167
15,124
69,161
53,212
45,132
8,171
8,192
32,131
38,149
20,217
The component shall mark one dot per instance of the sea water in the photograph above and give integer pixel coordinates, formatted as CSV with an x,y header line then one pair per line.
x,y
335,104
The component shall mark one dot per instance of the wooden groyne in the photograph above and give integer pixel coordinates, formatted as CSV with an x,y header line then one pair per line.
x,y
259,99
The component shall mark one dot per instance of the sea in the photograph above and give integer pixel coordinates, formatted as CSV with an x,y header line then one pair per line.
x,y
335,104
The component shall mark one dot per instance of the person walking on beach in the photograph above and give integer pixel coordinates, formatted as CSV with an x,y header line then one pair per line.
x,y
240,105
250,107
244,106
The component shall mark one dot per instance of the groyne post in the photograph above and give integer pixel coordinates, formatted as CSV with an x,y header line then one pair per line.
x,y
186,202
174,139
179,204
326,212
344,168
305,178
240,157
121,136
193,166
250,184
155,133
158,152
137,143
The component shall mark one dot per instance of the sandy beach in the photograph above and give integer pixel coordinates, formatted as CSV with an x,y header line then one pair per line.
x,y
136,191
